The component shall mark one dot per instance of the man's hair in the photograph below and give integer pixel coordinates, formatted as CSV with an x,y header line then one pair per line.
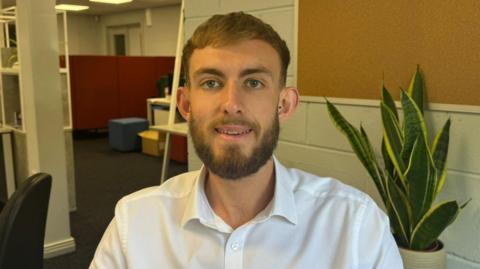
x,y
223,30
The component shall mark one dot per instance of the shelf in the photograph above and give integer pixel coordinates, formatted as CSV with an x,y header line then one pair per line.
x,y
10,71
17,129
12,104
5,129
159,101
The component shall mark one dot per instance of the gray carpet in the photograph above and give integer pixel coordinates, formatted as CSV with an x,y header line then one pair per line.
x,y
103,176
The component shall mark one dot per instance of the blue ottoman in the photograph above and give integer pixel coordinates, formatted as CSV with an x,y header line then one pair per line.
x,y
122,133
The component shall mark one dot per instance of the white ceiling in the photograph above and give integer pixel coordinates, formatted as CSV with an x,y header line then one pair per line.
x,y
99,8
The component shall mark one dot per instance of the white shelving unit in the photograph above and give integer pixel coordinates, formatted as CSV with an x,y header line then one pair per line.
x,y
10,79
11,93
12,96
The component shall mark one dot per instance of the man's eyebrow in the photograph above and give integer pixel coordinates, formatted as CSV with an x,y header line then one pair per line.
x,y
243,73
256,70
208,71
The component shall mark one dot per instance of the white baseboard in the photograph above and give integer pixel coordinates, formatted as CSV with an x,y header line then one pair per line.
x,y
58,248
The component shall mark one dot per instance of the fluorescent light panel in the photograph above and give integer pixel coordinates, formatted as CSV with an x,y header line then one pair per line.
x,y
116,2
71,7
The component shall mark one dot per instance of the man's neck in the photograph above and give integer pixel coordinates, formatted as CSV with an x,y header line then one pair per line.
x,y
240,200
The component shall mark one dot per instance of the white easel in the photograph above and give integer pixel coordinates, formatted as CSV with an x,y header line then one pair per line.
x,y
171,127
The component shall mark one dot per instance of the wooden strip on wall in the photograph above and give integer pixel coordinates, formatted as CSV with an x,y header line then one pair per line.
x,y
346,47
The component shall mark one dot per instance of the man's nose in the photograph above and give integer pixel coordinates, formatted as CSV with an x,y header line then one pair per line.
x,y
232,99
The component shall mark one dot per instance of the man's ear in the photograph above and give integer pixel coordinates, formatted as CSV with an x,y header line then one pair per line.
x,y
287,103
183,102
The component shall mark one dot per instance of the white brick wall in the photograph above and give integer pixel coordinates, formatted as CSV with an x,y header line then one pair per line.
x,y
325,151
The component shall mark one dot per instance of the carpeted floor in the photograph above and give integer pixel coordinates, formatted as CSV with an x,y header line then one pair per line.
x,y
103,176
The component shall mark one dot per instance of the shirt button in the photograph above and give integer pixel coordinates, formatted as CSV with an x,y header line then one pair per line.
x,y
235,246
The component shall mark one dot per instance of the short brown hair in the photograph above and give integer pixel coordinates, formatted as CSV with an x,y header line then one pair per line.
x,y
222,30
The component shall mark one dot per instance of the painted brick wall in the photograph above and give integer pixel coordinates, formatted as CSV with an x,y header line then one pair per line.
x,y
310,141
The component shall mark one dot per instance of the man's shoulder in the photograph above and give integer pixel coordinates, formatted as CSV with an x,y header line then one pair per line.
x,y
174,188
326,194
325,188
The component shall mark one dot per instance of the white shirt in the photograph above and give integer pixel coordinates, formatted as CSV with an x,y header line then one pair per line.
x,y
311,222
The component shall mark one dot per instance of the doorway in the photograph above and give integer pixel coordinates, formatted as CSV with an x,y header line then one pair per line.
x,y
125,40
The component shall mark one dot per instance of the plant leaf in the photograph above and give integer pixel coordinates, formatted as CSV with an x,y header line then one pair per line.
x,y
465,204
389,102
421,176
415,89
386,160
367,145
380,177
440,152
361,147
392,134
401,211
414,124
393,141
432,225
352,134
440,183
440,146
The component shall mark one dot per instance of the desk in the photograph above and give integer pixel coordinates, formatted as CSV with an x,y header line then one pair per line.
x,y
177,128
158,113
153,117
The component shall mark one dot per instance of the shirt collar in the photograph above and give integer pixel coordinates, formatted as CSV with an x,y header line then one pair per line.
x,y
197,206
282,204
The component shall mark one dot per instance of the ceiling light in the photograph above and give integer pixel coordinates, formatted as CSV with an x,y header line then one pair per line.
x,y
116,2
71,7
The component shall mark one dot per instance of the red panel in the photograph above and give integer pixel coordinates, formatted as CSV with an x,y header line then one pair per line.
x,y
137,78
106,87
179,149
165,65
94,91
136,81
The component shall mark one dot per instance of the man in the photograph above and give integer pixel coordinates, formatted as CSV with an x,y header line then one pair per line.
x,y
243,209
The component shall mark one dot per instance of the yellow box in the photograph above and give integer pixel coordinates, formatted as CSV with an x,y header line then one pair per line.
x,y
153,142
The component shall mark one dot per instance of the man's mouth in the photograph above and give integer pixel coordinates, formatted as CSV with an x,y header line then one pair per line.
x,y
233,130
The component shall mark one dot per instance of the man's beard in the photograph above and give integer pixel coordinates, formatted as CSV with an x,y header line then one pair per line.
x,y
233,164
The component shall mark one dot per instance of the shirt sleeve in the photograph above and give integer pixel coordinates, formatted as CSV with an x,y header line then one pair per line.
x,y
376,246
109,253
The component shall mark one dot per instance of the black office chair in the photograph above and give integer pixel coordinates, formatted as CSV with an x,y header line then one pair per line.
x,y
22,224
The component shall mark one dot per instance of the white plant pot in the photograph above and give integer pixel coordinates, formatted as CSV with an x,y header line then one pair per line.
x,y
413,259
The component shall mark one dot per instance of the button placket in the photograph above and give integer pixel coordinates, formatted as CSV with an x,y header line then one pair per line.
x,y
235,246
234,249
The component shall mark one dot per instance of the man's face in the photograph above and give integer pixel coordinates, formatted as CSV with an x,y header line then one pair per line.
x,y
233,95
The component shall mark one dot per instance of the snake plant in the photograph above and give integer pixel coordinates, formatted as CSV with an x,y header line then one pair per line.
x,y
413,171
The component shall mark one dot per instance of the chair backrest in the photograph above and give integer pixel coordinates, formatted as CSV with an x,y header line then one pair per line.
x,y
22,224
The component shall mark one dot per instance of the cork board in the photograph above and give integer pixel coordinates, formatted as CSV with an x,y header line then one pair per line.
x,y
347,47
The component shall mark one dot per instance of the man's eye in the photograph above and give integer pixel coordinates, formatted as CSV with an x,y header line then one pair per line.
x,y
254,84
211,84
